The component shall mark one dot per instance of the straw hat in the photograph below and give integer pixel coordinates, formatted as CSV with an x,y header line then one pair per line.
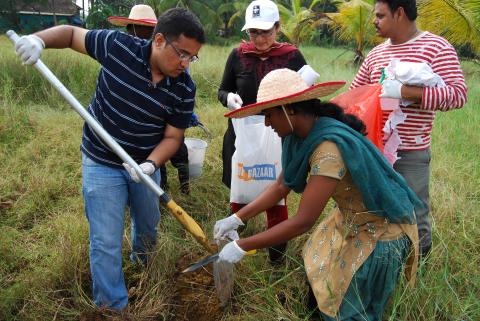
x,y
140,14
284,86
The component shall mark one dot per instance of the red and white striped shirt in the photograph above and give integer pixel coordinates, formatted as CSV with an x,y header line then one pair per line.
x,y
437,52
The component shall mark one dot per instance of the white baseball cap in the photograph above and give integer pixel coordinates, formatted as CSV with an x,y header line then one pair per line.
x,y
261,14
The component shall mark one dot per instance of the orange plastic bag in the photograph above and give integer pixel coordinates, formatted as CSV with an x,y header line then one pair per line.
x,y
364,103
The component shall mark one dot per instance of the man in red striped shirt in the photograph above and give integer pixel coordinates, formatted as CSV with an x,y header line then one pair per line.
x,y
395,20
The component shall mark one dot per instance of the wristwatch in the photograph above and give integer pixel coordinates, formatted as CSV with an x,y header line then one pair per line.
x,y
151,162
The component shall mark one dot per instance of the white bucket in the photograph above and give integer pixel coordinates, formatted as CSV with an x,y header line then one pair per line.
x,y
196,155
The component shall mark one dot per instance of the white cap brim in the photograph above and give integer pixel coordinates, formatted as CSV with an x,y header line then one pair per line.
x,y
263,25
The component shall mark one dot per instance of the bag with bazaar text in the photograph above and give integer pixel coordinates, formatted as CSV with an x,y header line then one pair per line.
x,y
256,162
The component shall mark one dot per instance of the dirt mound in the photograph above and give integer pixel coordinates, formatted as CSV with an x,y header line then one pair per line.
x,y
194,295
103,314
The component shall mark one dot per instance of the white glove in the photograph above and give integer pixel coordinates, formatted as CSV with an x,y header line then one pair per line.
x,y
147,168
391,88
29,49
308,75
234,101
231,253
227,228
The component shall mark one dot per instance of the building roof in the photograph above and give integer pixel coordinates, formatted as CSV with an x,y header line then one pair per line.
x,y
62,7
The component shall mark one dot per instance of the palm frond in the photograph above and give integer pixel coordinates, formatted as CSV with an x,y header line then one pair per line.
x,y
314,3
234,17
353,22
210,19
457,21
296,6
226,8
240,7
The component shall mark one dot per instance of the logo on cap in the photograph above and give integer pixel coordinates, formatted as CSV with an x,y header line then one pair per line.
x,y
256,11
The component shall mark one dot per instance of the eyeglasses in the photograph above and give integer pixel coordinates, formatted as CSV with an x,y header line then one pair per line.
x,y
258,32
183,55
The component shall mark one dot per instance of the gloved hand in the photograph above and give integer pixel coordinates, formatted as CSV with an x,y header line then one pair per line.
x,y
194,120
147,168
234,101
308,75
391,88
231,253
29,49
227,228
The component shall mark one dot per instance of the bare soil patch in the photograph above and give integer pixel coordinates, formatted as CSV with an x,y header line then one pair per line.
x,y
194,296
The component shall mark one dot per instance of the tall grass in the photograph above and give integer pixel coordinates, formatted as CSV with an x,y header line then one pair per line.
x,y
44,273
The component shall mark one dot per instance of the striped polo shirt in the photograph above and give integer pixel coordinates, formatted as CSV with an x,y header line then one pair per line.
x,y
440,55
132,109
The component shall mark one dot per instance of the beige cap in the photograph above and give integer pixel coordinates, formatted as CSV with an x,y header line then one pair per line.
x,y
140,14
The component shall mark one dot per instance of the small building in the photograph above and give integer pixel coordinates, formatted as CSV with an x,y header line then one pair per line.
x,y
33,16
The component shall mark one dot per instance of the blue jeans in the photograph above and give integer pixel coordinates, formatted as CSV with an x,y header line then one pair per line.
x,y
107,191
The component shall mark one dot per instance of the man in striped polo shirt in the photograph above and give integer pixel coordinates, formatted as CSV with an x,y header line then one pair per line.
x,y
144,99
395,20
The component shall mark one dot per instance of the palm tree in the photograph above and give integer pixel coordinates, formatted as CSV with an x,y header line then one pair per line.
x,y
204,9
353,22
457,21
231,11
102,9
300,22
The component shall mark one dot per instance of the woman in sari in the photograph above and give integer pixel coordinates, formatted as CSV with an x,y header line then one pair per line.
x,y
354,256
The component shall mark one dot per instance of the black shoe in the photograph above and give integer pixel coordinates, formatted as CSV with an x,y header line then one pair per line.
x,y
185,188
184,178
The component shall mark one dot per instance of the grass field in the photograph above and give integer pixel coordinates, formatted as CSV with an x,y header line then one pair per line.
x,y
44,269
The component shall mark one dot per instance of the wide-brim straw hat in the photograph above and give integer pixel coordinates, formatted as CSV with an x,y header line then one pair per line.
x,y
284,86
140,14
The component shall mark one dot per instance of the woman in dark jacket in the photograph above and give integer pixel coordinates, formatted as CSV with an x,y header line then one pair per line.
x,y
245,68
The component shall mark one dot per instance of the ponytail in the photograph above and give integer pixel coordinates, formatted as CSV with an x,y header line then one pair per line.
x,y
326,109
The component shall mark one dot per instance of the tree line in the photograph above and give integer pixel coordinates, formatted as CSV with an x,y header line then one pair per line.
x,y
317,22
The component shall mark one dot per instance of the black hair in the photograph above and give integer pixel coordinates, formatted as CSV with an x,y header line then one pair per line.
x,y
409,6
177,21
326,109
140,31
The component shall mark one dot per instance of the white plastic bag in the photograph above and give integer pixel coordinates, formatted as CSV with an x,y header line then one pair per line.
x,y
256,162
409,73
413,73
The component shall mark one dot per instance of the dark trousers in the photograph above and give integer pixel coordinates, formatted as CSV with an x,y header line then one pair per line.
x,y
180,162
228,149
275,215
414,166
